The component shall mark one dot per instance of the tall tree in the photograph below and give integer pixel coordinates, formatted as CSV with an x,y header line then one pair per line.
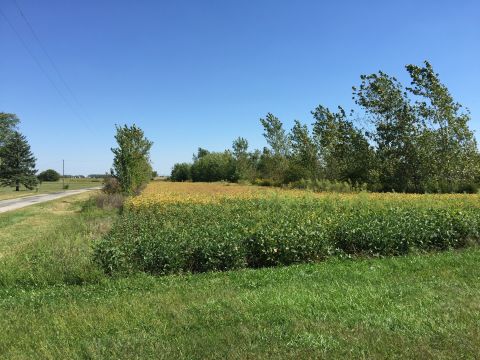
x,y
275,159
131,163
304,152
396,131
449,146
18,163
275,135
244,167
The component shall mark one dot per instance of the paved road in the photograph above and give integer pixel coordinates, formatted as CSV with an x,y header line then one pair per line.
x,y
13,204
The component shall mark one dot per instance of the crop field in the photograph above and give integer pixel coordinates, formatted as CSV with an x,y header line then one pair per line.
x,y
195,227
57,300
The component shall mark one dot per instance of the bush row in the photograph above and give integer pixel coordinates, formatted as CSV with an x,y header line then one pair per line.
x,y
176,238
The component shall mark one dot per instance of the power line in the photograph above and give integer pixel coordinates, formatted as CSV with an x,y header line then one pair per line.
x,y
50,59
42,69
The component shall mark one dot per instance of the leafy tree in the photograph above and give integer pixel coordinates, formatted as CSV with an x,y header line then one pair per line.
x,y
18,163
396,131
244,166
275,162
449,156
275,135
181,172
215,166
200,153
49,175
345,153
8,124
304,153
131,163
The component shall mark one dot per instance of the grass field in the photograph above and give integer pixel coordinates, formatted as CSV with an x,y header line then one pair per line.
x,y
49,187
55,302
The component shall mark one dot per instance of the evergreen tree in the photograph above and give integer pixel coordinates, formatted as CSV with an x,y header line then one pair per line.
x,y
18,163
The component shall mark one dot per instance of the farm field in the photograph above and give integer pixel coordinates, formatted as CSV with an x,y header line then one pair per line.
x,y
56,302
49,187
198,227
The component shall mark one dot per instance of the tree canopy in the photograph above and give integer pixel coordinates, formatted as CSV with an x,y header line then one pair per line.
x,y
414,138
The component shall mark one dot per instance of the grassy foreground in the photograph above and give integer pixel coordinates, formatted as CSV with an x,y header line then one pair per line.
x,y
56,303
49,187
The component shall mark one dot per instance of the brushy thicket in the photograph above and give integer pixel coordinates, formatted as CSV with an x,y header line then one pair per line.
x,y
232,233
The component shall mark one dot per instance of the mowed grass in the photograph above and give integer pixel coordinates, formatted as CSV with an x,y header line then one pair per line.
x,y
49,187
56,303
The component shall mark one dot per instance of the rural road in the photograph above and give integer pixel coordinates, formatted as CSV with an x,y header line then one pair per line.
x,y
14,204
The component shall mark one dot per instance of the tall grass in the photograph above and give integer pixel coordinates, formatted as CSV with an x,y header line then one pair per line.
x,y
51,243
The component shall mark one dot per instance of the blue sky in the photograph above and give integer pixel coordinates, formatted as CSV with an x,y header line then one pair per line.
x,y
200,73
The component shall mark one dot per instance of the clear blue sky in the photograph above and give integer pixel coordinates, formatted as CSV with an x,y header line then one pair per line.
x,y
200,73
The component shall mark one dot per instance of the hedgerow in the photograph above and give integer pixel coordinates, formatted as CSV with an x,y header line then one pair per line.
x,y
230,233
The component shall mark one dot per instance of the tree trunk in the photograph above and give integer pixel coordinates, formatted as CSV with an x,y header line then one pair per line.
x,y
17,186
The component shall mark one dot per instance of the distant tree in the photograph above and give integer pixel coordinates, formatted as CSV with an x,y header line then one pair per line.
x,y
181,172
244,166
275,160
154,174
215,166
200,153
345,153
275,135
304,153
131,163
49,175
18,163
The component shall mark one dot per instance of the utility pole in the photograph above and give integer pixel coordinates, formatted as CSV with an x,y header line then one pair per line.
x,y
63,172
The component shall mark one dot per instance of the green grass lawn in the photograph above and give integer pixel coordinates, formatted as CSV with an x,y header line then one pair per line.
x,y
49,187
56,303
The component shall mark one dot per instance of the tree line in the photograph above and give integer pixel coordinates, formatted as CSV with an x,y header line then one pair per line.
x,y
415,138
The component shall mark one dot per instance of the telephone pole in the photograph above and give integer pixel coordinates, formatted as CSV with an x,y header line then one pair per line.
x,y
63,176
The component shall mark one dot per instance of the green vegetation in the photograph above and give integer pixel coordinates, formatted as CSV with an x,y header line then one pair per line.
x,y
56,302
8,125
50,243
49,175
415,139
163,238
49,187
181,172
17,165
131,162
